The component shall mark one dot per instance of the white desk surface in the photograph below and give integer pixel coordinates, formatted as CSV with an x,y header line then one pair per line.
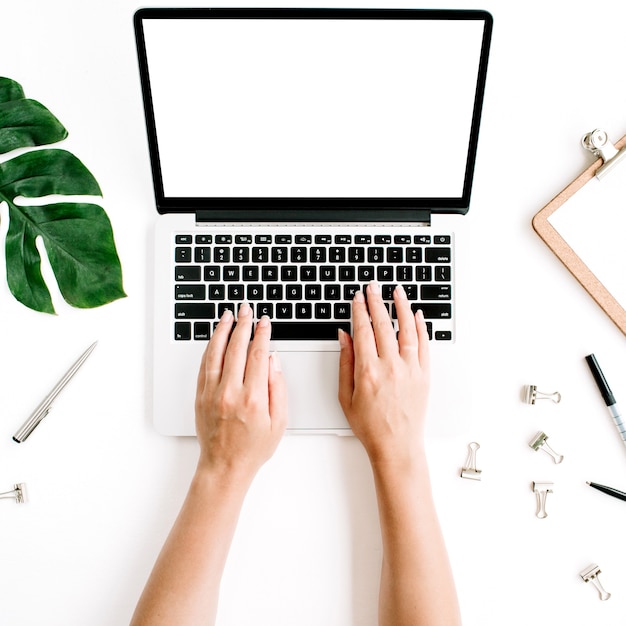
x,y
105,488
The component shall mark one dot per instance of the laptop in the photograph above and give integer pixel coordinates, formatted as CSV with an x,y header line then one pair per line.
x,y
298,154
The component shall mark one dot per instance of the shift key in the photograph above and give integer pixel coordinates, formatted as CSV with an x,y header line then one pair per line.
x,y
433,310
194,311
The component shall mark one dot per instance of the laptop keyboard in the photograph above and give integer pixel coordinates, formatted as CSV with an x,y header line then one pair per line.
x,y
305,283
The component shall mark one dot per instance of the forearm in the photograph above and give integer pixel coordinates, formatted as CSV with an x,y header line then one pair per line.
x,y
417,587
184,585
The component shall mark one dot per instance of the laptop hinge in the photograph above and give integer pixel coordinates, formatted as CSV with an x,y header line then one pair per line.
x,y
412,216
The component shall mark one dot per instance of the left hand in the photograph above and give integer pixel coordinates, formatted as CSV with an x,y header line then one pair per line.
x,y
241,399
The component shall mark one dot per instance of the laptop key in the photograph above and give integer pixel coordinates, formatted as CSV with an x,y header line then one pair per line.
x,y
264,308
442,273
308,331
190,292
194,310
255,292
217,292
222,255
438,255
303,310
284,310
366,273
433,310
323,310
342,311
202,254
183,273
250,272
182,254
436,292
212,273
201,331
182,331
235,292
260,255
337,255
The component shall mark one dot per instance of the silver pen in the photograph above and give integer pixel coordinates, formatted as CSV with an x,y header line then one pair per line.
x,y
46,404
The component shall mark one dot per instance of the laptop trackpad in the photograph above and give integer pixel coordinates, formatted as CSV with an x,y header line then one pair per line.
x,y
312,383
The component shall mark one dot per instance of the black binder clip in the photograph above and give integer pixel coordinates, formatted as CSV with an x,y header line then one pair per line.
x,y
598,142
18,494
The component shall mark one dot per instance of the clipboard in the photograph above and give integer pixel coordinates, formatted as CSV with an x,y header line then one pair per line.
x,y
607,165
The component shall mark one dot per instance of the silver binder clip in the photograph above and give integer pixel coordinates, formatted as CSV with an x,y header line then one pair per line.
x,y
590,574
470,471
531,395
542,490
540,441
598,142
18,494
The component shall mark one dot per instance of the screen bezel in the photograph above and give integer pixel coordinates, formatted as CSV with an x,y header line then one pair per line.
x,y
312,208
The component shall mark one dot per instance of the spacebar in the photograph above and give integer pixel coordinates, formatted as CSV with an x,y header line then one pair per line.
x,y
307,330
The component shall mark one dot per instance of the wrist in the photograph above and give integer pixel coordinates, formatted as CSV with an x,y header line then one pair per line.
x,y
395,463
231,477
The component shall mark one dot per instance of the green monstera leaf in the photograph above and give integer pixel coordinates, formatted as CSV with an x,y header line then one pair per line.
x,y
77,236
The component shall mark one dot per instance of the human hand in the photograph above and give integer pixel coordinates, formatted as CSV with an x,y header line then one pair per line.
x,y
384,381
241,399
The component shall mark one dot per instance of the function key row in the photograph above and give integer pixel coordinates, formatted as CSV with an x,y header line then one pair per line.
x,y
309,239
314,254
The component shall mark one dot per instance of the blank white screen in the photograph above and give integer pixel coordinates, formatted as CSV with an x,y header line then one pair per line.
x,y
313,108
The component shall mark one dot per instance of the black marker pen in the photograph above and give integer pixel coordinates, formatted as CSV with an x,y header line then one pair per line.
x,y
607,394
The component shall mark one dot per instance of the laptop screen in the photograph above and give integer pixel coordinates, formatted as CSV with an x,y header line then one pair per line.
x,y
367,108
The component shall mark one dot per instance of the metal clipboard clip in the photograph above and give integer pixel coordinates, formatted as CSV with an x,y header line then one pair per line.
x,y
598,142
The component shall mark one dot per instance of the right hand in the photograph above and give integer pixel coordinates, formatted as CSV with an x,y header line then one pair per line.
x,y
384,381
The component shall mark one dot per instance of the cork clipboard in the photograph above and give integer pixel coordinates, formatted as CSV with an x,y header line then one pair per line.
x,y
584,189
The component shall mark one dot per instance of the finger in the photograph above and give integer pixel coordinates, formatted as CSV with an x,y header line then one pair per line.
x,y
363,340
237,351
213,359
257,363
277,389
381,322
407,331
423,343
346,370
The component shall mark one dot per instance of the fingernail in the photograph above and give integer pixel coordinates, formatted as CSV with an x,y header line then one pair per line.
x,y
226,315
341,337
275,361
374,287
400,291
420,314
244,309
359,297
263,322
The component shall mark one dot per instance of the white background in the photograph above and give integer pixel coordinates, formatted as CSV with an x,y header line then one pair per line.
x,y
105,488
